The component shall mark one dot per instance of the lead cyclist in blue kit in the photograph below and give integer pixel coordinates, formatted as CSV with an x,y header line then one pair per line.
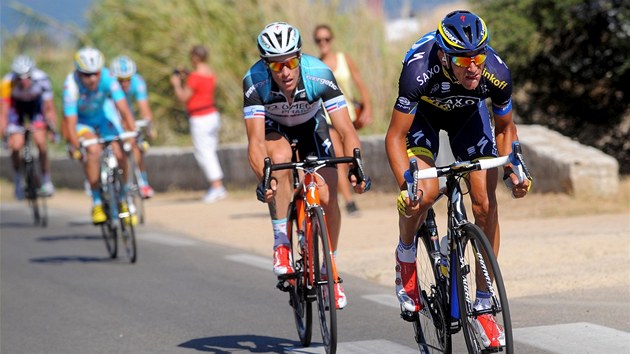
x,y
283,95
91,97
446,77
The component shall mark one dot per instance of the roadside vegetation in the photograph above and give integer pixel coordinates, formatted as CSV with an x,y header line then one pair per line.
x,y
568,57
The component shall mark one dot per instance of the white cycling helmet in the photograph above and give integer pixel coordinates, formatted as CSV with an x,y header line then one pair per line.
x,y
279,38
122,67
22,65
89,60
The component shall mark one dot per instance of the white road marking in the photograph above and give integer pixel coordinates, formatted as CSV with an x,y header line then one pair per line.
x,y
165,239
575,338
363,347
383,299
256,261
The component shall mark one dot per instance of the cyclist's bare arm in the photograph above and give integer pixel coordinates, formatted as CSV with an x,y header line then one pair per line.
x,y
396,145
4,117
50,113
257,150
506,133
343,125
128,122
147,114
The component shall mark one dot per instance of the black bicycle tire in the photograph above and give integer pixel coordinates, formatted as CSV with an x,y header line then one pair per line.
x,y
302,306
108,228
127,230
328,328
473,236
137,198
430,337
31,189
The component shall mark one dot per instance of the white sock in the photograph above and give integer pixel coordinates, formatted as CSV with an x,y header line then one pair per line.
x,y
279,232
406,253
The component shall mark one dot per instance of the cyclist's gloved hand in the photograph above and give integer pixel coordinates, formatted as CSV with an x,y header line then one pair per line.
x,y
261,192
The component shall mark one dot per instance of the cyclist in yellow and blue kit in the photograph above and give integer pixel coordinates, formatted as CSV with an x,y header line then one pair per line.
x,y
446,78
91,97
132,83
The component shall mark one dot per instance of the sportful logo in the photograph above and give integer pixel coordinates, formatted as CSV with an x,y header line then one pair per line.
x,y
496,82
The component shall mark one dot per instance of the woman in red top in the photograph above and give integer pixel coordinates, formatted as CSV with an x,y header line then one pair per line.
x,y
198,95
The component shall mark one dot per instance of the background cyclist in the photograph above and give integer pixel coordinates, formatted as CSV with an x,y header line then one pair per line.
x,y
135,88
283,95
90,99
27,92
446,77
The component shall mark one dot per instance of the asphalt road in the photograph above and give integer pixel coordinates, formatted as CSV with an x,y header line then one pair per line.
x,y
60,293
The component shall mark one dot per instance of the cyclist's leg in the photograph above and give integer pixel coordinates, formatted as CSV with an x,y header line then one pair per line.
x,y
422,144
15,143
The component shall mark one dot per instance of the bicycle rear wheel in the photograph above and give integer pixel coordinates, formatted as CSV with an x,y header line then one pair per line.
x,y
480,265
299,290
431,326
324,282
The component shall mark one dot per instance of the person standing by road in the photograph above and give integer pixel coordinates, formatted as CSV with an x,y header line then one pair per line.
x,y
359,108
197,92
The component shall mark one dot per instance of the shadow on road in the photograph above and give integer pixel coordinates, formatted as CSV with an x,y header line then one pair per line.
x,y
70,259
54,238
241,343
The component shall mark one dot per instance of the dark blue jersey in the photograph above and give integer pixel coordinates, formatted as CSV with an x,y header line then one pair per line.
x,y
426,86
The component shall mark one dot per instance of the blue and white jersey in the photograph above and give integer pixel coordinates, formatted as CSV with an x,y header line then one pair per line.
x,y
91,106
137,90
264,99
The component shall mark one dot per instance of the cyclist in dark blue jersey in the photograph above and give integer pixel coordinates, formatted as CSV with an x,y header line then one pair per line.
x,y
283,96
446,78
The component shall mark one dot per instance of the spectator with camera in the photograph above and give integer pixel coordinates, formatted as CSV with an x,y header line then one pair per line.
x,y
196,90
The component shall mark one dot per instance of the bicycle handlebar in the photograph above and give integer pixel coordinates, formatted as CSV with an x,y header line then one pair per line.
x,y
122,136
515,158
315,163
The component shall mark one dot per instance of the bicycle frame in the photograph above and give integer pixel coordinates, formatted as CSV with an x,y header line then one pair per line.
x,y
306,197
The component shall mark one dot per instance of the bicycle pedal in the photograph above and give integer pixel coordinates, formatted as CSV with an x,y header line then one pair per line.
x,y
409,316
284,285
283,277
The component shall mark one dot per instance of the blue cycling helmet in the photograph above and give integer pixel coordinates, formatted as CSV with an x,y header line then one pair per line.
x,y
462,33
122,67
277,39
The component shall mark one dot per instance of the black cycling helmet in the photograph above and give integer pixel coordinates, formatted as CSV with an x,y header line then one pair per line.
x,y
462,33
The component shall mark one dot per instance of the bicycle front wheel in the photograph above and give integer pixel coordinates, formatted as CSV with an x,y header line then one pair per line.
x,y
324,282
488,327
31,190
127,220
137,201
431,326
108,230
300,290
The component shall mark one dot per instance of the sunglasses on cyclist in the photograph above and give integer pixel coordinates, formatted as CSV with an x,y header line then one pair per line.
x,y
89,74
464,62
277,66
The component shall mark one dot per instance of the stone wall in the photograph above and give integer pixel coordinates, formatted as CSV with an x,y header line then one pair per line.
x,y
557,163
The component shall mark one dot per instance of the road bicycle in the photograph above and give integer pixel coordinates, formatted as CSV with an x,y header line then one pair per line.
x,y
32,178
111,184
136,181
315,272
448,273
